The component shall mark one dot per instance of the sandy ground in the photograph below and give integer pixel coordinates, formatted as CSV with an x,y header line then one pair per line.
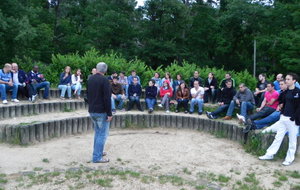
x,y
169,150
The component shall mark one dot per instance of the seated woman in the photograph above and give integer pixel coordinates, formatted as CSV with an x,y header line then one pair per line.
x,y
65,83
134,93
77,79
166,92
151,93
182,97
210,87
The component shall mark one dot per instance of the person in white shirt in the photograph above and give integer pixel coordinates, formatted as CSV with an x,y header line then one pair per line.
x,y
77,79
197,94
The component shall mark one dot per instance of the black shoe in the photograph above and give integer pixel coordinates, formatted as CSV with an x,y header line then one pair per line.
x,y
208,114
249,122
186,111
191,112
247,129
199,113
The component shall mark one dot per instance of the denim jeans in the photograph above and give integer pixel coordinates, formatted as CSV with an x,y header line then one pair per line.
x,y
245,106
275,116
264,112
150,103
4,88
166,101
197,101
182,103
77,87
119,99
65,88
35,87
132,101
101,127
220,109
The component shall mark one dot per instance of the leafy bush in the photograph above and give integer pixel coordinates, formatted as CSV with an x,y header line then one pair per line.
x,y
117,63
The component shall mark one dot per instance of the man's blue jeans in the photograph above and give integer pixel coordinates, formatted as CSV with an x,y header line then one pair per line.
x,y
38,86
220,109
245,106
119,99
197,101
101,127
150,103
65,88
4,88
275,116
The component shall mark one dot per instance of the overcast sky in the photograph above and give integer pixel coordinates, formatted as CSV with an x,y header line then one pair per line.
x,y
140,2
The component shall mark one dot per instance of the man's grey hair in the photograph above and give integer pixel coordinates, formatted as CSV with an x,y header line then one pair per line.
x,y
101,67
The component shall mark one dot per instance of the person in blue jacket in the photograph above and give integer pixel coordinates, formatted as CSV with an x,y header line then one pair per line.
x,y
36,82
65,81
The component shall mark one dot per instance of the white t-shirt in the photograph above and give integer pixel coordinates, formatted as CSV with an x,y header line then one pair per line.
x,y
200,92
75,79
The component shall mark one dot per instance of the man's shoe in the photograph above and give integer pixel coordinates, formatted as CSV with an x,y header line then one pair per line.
x,y
247,129
266,157
199,113
15,100
176,111
241,118
186,112
286,163
33,98
227,118
191,112
160,105
208,114
4,101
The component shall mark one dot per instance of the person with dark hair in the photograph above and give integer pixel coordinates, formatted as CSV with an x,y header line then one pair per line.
x,y
224,100
223,81
77,79
37,81
157,80
118,94
196,77
197,94
99,101
20,78
260,89
114,74
268,106
151,93
289,122
243,99
134,93
133,75
176,83
124,82
168,78
182,97
210,87
6,84
166,92
65,83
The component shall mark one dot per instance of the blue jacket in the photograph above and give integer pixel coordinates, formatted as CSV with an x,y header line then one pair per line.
x,y
130,79
64,81
151,92
135,89
37,76
22,76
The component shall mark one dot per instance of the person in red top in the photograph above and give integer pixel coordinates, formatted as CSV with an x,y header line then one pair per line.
x,y
166,92
268,106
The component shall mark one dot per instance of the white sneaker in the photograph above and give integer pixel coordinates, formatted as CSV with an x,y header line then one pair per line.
x,y
15,100
241,118
266,157
159,105
33,99
4,101
167,111
286,163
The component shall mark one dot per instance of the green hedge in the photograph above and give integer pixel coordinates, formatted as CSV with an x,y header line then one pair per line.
x,y
117,63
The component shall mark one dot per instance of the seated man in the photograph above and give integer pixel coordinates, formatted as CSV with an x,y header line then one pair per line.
x,y
225,98
268,106
243,99
20,78
151,94
279,78
275,116
134,93
260,89
223,82
6,84
118,94
197,97
37,81
132,76
196,77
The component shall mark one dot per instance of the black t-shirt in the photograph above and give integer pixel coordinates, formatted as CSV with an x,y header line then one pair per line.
x,y
289,108
262,86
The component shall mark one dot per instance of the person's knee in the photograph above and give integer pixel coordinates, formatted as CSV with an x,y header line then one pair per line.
x,y
2,86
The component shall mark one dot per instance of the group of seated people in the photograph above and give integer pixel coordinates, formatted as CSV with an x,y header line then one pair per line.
x,y
28,84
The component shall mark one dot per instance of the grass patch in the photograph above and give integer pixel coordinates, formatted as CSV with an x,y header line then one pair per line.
x,y
147,179
104,182
294,174
296,187
282,178
37,169
186,171
250,178
223,178
277,184
45,160
174,180
29,123
200,187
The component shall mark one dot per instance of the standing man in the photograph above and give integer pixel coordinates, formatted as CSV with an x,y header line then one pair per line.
x,y
20,78
289,122
99,101
6,84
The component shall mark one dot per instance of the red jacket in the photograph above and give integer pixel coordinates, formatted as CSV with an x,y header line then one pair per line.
x,y
163,91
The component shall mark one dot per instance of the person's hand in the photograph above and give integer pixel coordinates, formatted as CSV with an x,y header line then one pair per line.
x,y
237,102
212,87
41,76
109,118
24,84
168,93
10,84
206,88
34,81
123,96
258,109
221,103
278,108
